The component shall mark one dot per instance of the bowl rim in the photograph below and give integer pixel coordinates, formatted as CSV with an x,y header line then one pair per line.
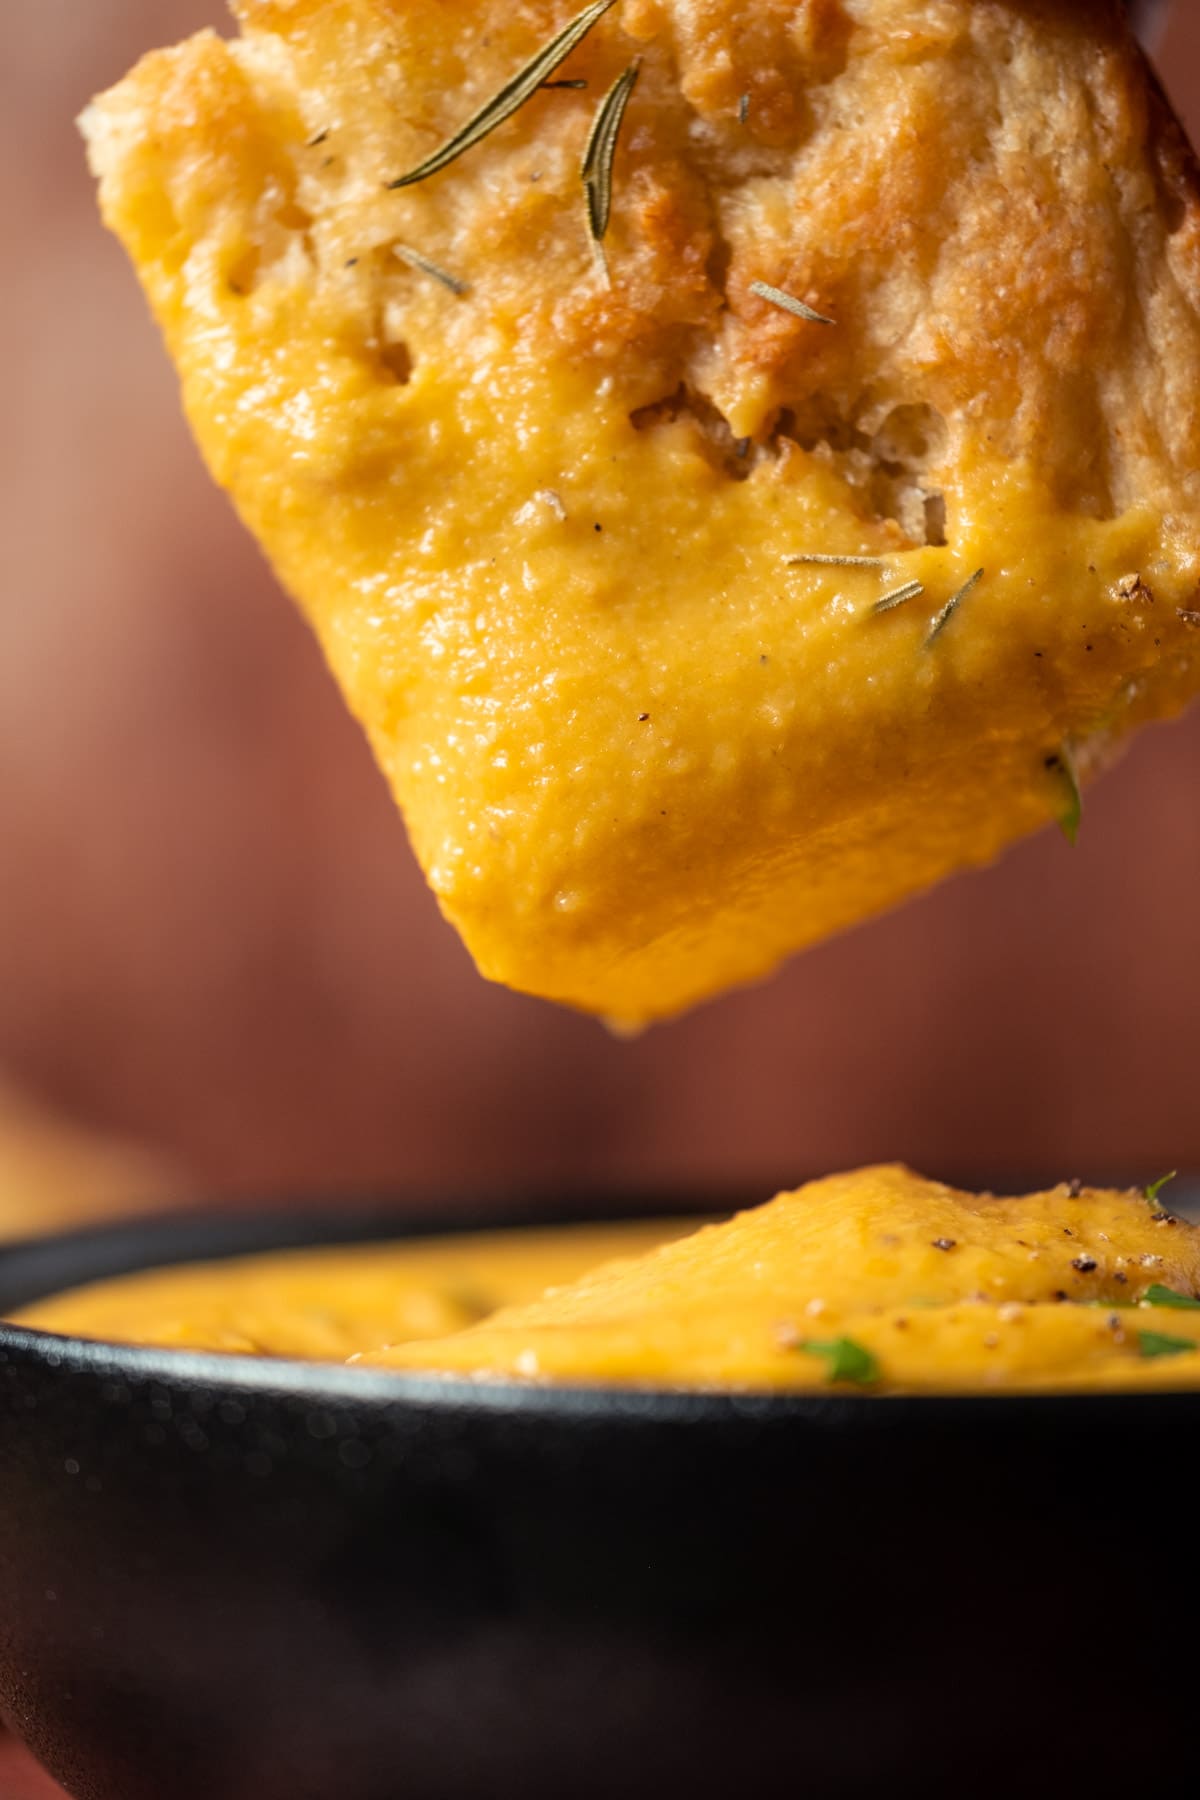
x,y
384,1392
380,1391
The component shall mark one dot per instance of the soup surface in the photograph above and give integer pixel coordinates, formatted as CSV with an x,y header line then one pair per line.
x,y
326,1305
878,1281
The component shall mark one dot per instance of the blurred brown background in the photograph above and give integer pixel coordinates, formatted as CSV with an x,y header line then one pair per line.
x,y
213,937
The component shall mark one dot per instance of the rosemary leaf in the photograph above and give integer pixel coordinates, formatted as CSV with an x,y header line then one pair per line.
x,y
1070,820
601,148
838,562
1156,1187
415,260
789,303
575,87
951,607
1157,1343
1159,1295
912,590
511,97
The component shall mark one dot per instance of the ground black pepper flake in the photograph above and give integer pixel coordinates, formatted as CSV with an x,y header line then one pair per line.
x,y
642,717
1085,1264
1123,1279
1074,1187
945,1243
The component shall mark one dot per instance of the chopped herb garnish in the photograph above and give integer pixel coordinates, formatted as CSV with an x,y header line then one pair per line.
x,y
415,260
951,607
1156,1187
789,303
839,562
1158,1295
847,1360
743,109
600,150
1155,1343
524,84
912,590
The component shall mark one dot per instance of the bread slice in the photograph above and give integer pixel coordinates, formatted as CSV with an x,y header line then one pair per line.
x,y
545,519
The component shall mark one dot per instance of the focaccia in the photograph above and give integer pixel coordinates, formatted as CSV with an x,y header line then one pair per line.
x,y
550,462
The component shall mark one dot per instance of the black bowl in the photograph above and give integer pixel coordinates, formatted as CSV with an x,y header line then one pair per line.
x,y
234,1580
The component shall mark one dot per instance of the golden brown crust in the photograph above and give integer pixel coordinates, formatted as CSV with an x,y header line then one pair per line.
x,y
992,198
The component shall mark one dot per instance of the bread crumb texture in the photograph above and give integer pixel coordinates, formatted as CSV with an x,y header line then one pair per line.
x,y
542,524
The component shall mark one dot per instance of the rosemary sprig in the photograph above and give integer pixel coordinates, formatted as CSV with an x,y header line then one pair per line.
x,y
837,562
789,303
951,607
597,168
912,590
511,97
415,260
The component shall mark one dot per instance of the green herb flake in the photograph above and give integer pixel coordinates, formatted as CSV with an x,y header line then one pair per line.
x,y
415,260
524,84
1156,1187
912,590
951,607
1156,1343
789,303
743,109
847,1360
601,148
1158,1295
